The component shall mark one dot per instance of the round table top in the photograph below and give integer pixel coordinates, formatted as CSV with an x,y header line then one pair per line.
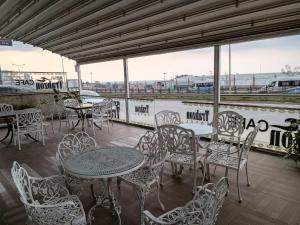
x,y
104,162
202,130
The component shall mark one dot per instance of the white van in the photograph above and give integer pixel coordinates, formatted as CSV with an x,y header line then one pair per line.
x,y
281,85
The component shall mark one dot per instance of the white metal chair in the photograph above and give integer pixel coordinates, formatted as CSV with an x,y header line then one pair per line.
x,y
148,175
28,121
47,200
167,117
181,145
100,114
229,127
48,111
202,210
230,160
69,114
70,146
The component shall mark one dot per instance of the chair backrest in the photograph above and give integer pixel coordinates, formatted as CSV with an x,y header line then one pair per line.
x,y
22,182
29,118
209,200
229,124
177,139
152,147
167,117
47,107
70,102
6,107
103,109
86,141
72,145
248,142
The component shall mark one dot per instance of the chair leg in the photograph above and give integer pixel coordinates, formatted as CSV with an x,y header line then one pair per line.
x,y
93,193
42,133
142,196
19,144
161,176
204,172
93,127
158,196
246,167
195,180
238,186
214,174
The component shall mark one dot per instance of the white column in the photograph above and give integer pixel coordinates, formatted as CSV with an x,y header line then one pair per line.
x,y
126,86
216,81
77,69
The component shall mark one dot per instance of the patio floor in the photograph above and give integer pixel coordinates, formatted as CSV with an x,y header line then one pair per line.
x,y
272,198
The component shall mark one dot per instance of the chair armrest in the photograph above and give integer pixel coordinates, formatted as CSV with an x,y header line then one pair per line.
x,y
63,211
151,219
49,188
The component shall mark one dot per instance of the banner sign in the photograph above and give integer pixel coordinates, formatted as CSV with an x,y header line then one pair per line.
x,y
274,121
6,42
42,83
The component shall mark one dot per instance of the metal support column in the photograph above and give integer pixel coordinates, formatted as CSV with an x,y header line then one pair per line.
x,y
77,69
217,66
126,86
229,78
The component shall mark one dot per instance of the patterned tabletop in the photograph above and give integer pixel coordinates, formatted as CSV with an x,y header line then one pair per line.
x,y
202,130
81,106
104,162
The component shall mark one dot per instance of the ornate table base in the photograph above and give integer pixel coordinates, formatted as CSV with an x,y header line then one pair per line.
x,y
106,199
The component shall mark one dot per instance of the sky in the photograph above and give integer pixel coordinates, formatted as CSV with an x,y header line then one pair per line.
x,y
263,56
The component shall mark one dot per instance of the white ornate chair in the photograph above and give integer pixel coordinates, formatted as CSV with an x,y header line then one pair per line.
x,y
167,117
47,200
229,127
181,145
69,114
69,146
28,121
202,210
148,175
100,114
48,110
230,160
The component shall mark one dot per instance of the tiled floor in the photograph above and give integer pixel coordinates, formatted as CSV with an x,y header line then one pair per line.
x,y
273,198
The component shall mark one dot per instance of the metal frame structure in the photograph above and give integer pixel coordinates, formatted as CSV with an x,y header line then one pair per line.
x,y
95,31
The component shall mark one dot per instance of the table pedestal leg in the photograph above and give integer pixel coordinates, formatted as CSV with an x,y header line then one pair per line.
x,y
108,200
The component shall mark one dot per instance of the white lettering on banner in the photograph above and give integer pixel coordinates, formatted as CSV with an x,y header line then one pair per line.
x,y
275,122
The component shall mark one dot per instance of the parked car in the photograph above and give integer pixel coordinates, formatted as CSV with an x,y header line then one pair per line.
x,y
295,90
88,96
281,85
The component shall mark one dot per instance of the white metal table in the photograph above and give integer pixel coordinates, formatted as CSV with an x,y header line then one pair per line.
x,y
104,164
200,130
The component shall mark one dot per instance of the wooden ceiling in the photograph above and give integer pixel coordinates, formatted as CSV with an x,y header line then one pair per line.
x,y
98,30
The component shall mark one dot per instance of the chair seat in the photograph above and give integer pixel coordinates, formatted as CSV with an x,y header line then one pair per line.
x,y
221,147
142,177
184,159
225,160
